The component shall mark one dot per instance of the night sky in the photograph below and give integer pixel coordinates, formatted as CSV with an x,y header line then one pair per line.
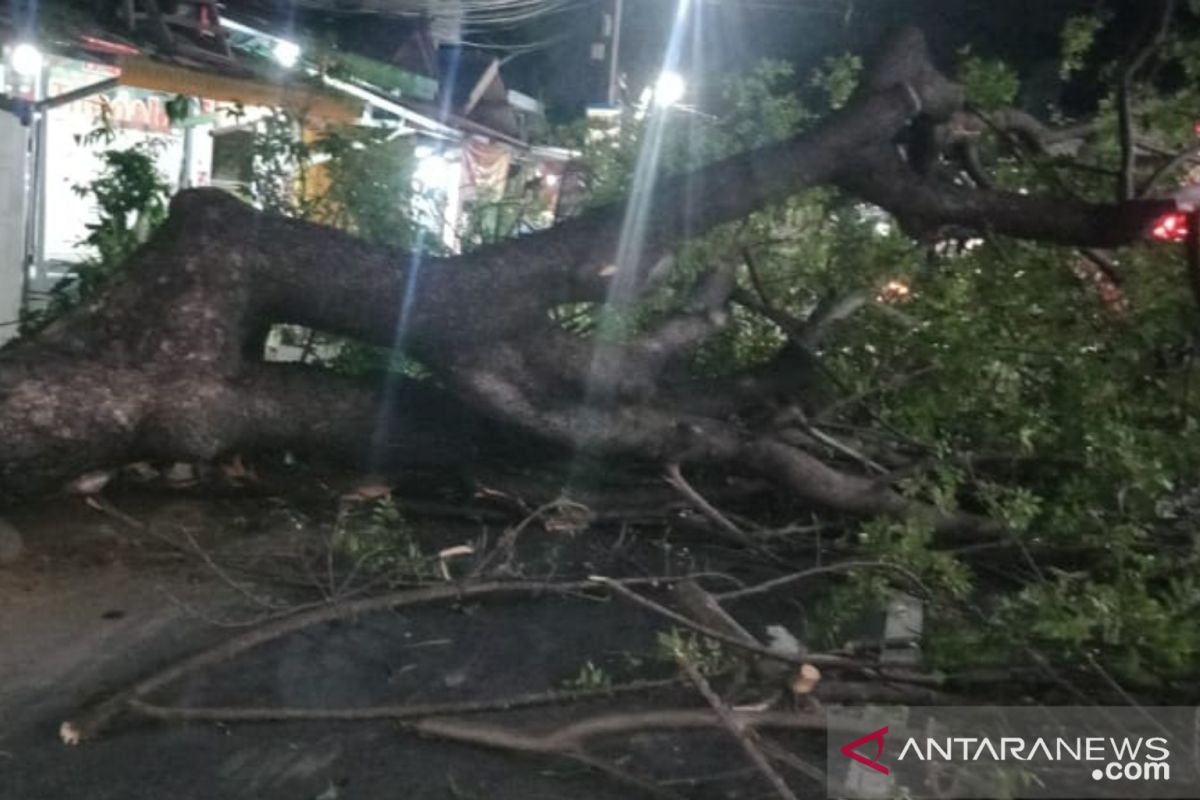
x,y
735,34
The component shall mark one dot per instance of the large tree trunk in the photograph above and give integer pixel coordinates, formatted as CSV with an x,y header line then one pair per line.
x,y
168,362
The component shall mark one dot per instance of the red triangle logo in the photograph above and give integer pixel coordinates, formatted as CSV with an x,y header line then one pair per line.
x,y
849,750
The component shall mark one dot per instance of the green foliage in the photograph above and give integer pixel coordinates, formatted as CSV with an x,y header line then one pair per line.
x,y
1078,37
920,568
523,207
369,190
1145,637
755,110
590,678
280,163
838,78
356,179
178,108
377,537
1077,437
989,83
707,655
131,201
130,197
758,109
1014,385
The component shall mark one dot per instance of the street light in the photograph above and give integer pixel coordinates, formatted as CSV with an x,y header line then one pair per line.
x,y
26,60
669,89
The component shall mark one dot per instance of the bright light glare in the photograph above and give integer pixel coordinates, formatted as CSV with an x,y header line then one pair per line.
x,y
422,151
26,60
669,89
433,172
286,53
894,291
1171,227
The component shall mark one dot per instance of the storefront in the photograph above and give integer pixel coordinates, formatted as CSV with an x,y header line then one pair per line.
x,y
76,134
63,115
61,118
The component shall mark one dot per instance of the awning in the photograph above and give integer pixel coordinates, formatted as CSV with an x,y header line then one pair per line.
x,y
311,102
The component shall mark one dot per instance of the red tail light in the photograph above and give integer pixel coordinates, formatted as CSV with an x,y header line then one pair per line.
x,y
1171,227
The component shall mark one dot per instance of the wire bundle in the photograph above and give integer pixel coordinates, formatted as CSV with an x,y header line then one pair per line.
x,y
453,20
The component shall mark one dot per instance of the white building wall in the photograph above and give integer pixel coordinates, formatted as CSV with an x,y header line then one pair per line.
x,y
72,158
13,142
137,117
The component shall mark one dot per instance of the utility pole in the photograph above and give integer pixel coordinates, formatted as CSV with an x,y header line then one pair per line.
x,y
614,63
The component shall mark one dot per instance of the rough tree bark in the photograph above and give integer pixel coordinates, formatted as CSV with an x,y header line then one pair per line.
x,y
168,362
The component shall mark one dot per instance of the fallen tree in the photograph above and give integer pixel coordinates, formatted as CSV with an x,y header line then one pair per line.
x,y
167,363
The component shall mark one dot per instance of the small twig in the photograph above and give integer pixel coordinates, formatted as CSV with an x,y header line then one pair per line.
x,y
841,447
100,504
895,383
217,622
567,741
95,720
745,736
520,742
366,713
706,609
819,660
829,313
1137,60
573,735
756,280
1169,166
509,540
310,341
844,566
193,548
790,326
1129,699
228,580
692,781
621,776
675,478
1018,151
785,756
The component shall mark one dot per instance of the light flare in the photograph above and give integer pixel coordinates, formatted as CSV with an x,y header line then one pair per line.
x,y
894,291
1172,227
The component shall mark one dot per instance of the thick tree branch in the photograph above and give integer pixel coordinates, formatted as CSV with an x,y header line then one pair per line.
x,y
1035,134
924,205
1167,167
